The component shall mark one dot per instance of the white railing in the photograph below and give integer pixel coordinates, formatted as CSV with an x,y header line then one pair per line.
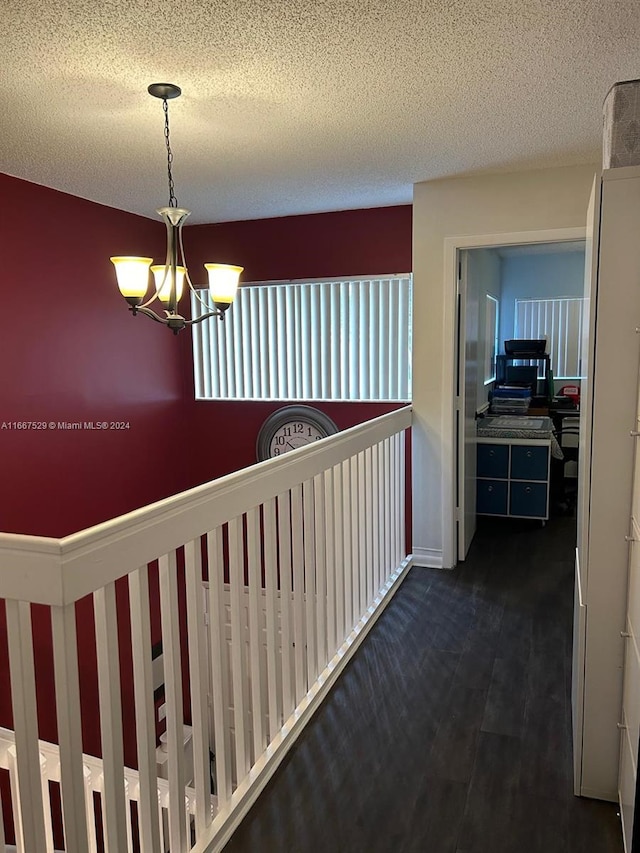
x,y
282,569
94,786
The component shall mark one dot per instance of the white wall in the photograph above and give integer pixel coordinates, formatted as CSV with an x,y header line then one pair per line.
x,y
483,273
540,276
536,200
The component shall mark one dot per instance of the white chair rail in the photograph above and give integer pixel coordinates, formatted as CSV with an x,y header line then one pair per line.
x,y
261,585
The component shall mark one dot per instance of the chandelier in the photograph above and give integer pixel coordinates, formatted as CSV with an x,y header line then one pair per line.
x,y
169,278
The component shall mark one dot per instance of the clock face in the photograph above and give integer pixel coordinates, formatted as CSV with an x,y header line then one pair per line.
x,y
294,434
290,428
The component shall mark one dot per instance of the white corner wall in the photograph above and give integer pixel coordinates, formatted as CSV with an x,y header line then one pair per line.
x,y
488,205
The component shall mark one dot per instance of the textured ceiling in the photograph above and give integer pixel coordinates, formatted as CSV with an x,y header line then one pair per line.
x,y
296,106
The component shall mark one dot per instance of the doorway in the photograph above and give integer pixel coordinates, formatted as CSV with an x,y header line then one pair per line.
x,y
500,280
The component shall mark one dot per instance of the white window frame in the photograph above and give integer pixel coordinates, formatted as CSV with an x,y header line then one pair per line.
x,y
330,339
492,325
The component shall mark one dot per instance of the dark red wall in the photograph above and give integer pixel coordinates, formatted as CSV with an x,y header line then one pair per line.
x,y
348,242
71,353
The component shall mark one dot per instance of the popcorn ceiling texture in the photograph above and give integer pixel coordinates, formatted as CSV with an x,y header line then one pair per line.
x,y
296,106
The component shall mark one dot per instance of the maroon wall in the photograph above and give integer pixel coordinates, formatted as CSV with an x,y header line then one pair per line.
x,y
71,354
348,242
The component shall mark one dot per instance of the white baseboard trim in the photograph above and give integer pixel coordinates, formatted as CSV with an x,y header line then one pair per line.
x,y
429,558
245,795
598,794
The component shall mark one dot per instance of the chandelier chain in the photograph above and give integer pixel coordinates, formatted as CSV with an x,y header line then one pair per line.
x,y
173,202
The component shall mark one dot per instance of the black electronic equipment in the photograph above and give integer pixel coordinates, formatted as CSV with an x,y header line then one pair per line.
x,y
521,347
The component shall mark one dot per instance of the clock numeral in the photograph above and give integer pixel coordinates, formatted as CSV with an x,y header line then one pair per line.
x,y
299,428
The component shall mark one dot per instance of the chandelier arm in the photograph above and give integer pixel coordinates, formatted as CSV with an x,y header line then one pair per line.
x,y
216,313
188,277
141,309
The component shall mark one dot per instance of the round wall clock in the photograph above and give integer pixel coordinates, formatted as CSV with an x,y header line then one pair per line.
x,y
292,427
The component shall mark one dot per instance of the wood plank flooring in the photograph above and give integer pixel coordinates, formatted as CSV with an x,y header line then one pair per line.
x,y
450,732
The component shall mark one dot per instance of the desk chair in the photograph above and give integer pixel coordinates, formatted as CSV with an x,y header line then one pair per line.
x,y
564,475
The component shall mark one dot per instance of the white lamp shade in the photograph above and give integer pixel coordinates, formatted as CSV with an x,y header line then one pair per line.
x,y
132,275
162,276
223,281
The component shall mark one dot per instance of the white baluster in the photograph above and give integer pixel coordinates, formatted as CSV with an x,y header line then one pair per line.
x,y
3,848
114,823
145,710
321,570
362,535
311,595
236,581
90,815
388,516
402,498
199,680
284,541
28,808
299,632
375,520
330,564
219,673
173,698
355,533
65,661
338,554
46,799
368,566
346,547
256,600
274,672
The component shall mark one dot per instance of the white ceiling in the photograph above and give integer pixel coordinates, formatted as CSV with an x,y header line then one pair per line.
x,y
296,106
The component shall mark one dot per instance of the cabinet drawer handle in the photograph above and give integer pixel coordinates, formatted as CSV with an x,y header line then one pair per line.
x,y
528,490
492,453
529,454
490,488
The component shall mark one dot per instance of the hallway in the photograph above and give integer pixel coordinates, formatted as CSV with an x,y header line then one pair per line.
x,y
450,732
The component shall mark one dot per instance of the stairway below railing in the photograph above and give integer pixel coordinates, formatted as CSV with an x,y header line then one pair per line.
x,y
257,587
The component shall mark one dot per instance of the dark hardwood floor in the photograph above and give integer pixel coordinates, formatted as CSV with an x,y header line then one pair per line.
x,y
450,731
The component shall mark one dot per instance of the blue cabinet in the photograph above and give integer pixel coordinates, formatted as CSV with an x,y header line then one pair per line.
x,y
513,478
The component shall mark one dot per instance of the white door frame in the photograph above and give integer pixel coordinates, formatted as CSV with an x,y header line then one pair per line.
x,y
451,247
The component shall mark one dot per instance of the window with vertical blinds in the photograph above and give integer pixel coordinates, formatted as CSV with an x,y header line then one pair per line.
x,y
560,321
490,337
323,340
